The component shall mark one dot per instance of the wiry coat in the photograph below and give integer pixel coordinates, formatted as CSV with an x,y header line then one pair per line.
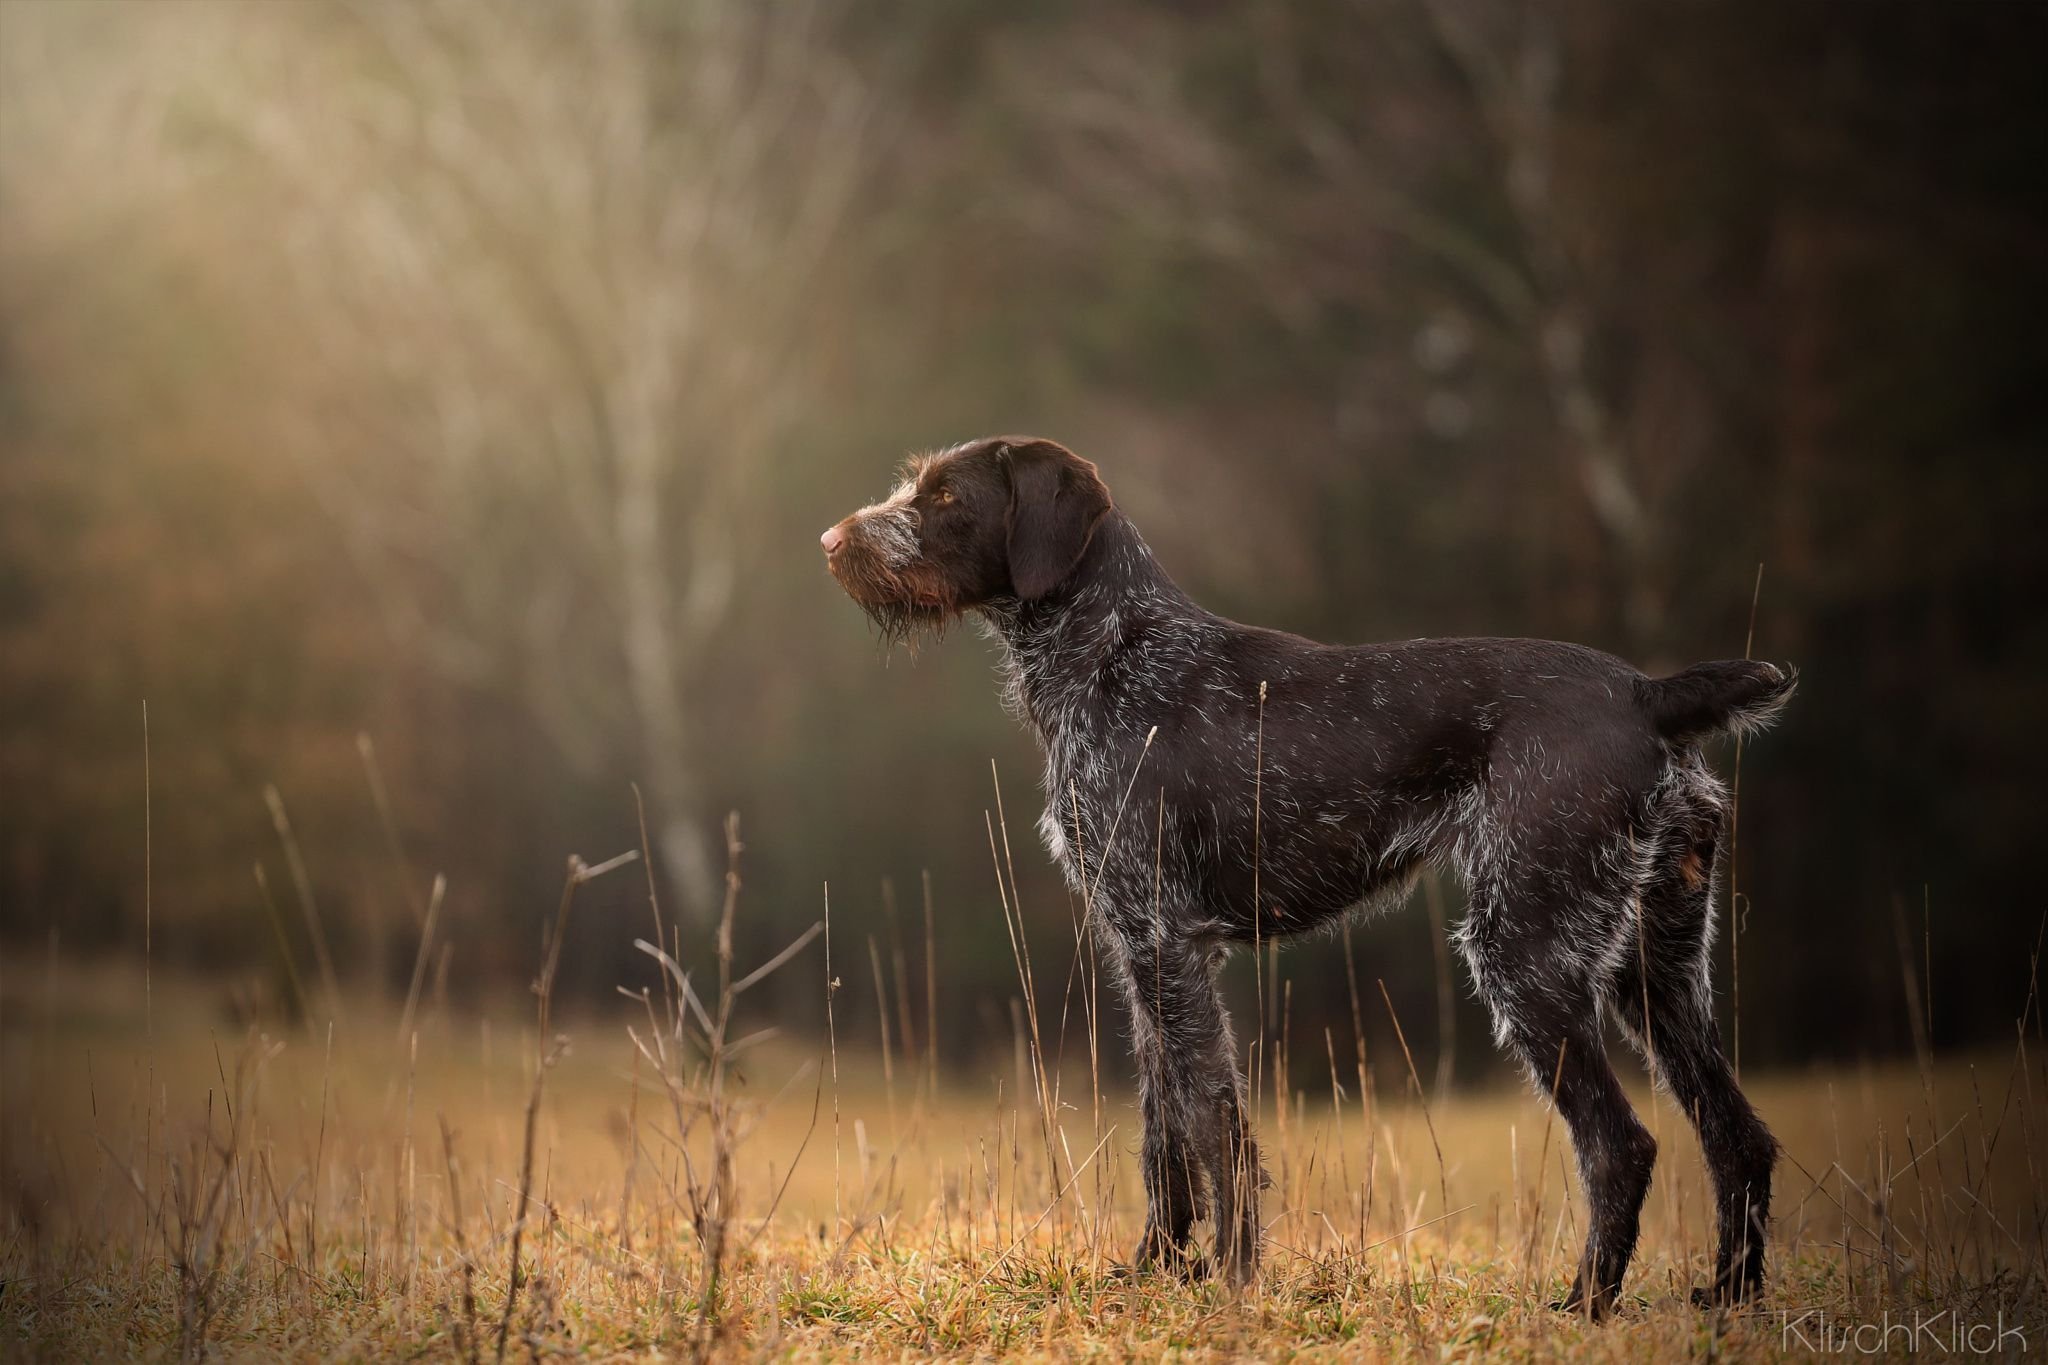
x,y
1209,784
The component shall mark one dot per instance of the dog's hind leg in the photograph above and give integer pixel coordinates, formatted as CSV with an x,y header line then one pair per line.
x,y
1664,1001
1545,1008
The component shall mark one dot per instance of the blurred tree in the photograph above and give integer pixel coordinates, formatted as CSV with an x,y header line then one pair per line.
x,y
563,280
1397,190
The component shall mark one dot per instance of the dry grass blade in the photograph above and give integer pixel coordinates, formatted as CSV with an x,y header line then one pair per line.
x,y
769,967
1421,1098
284,946
549,1050
681,978
419,963
302,883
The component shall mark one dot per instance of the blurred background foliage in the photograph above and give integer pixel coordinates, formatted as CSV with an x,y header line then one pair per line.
x,y
477,376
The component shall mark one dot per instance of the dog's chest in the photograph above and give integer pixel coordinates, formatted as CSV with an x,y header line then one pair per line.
x,y
1080,816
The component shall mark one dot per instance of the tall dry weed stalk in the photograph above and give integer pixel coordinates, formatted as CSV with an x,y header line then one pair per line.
x,y
692,1051
548,1050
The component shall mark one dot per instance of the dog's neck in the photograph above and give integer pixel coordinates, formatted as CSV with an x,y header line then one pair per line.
x,y
1081,655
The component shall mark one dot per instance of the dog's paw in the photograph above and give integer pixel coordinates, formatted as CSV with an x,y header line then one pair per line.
x,y
1596,1308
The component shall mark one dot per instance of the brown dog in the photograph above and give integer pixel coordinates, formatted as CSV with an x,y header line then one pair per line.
x,y
1280,783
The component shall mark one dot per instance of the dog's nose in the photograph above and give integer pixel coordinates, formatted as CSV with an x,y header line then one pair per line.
x,y
832,539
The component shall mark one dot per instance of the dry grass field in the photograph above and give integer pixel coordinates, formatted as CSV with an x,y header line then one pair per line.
x,y
180,1184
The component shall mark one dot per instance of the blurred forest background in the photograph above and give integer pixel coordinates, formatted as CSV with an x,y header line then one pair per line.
x,y
477,377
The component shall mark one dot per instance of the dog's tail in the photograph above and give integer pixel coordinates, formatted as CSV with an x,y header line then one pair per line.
x,y
1714,698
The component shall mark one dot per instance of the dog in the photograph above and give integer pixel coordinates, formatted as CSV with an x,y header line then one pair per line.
x,y
1210,784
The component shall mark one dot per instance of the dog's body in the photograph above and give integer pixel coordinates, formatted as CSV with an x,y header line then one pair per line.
x,y
1210,783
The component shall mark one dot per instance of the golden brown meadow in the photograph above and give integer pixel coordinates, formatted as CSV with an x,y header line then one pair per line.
x,y
676,1179
180,1183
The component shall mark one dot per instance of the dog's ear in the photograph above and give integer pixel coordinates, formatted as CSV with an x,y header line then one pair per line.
x,y
1056,502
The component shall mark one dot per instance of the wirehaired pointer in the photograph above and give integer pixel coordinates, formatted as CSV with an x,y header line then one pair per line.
x,y
1275,783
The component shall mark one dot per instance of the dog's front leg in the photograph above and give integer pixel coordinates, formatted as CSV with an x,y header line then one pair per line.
x,y
1159,987
1175,1195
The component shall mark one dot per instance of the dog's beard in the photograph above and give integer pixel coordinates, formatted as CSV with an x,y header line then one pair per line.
x,y
908,624
905,609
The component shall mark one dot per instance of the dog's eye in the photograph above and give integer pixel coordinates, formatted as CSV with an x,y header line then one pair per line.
x,y
943,496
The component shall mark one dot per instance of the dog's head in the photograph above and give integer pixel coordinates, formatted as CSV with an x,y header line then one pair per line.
x,y
1007,517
